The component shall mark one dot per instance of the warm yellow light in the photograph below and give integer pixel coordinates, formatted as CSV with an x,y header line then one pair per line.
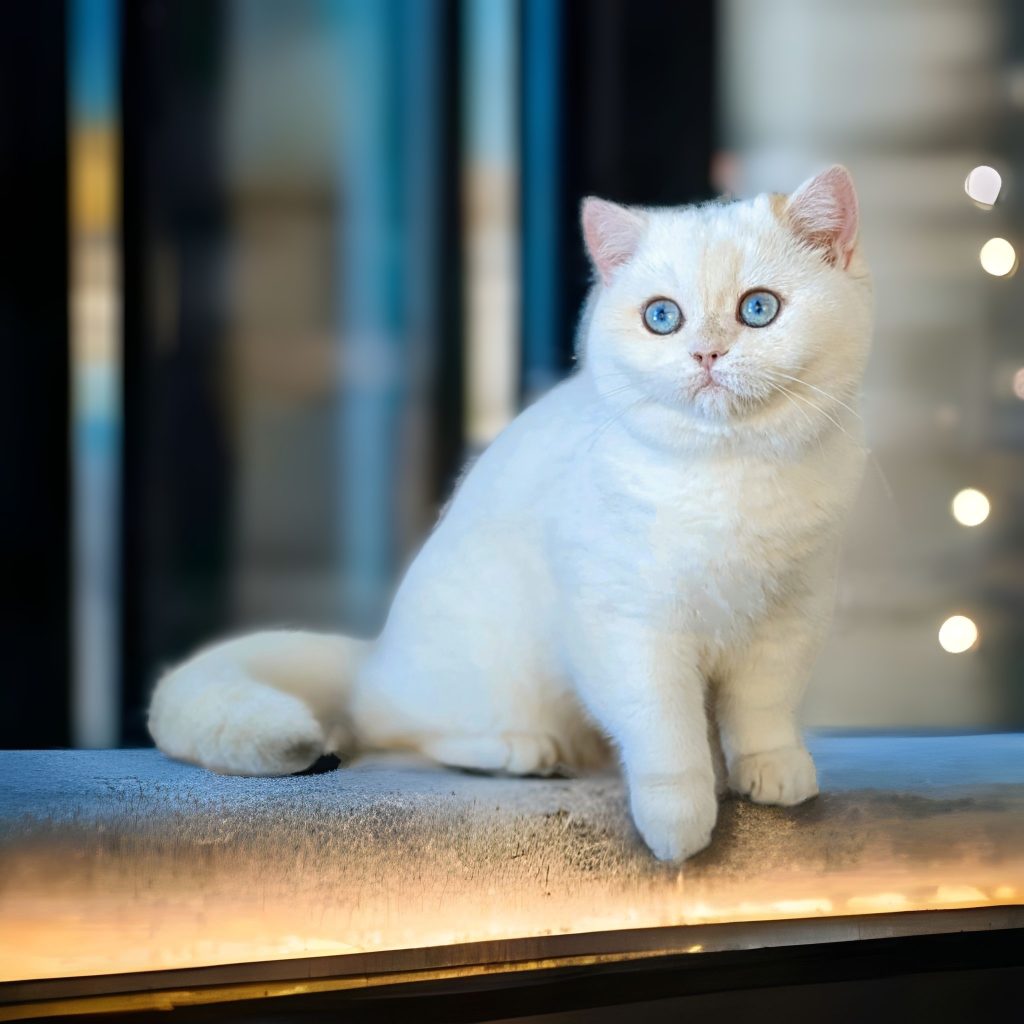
x,y
958,634
804,908
878,902
998,257
983,185
1018,383
960,894
970,507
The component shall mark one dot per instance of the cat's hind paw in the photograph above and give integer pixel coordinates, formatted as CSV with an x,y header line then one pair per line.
x,y
514,753
785,776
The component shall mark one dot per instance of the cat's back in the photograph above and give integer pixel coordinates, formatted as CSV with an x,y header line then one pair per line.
x,y
485,557
518,478
470,632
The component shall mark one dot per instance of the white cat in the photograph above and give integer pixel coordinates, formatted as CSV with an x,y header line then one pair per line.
x,y
647,555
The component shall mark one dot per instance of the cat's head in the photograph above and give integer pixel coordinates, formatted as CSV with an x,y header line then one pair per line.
x,y
729,319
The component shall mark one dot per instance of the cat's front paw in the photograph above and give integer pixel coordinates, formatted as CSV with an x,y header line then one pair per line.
x,y
785,776
675,815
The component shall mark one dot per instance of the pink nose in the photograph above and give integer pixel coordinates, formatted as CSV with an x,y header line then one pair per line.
x,y
707,359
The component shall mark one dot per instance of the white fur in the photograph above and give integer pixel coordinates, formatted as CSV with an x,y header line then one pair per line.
x,y
632,552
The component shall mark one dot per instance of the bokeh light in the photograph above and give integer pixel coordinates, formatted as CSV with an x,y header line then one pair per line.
x,y
998,257
1018,383
983,185
970,507
958,634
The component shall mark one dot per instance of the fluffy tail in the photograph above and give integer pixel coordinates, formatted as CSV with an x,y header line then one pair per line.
x,y
265,704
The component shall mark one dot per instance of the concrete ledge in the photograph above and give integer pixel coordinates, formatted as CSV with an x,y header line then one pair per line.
x,y
123,861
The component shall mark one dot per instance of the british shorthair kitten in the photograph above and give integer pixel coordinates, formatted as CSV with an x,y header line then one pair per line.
x,y
643,561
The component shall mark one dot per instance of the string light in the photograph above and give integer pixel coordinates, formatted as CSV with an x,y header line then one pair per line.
x,y
970,507
998,257
983,185
958,634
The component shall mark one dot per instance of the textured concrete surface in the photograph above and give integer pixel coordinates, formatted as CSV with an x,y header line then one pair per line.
x,y
123,860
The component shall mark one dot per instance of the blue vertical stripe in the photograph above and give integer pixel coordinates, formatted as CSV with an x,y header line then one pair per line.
x,y
386,286
368,299
92,45
542,27
421,221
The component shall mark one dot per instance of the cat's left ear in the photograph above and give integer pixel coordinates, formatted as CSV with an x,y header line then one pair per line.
x,y
612,234
823,213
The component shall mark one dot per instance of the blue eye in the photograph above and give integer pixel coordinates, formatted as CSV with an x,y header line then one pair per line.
x,y
759,309
662,316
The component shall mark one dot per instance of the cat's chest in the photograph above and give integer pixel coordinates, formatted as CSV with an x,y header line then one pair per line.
x,y
710,524
717,514
718,538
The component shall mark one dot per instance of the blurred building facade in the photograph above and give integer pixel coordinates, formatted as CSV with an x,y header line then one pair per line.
x,y
341,250
351,255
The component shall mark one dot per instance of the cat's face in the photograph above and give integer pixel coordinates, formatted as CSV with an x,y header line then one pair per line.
x,y
733,317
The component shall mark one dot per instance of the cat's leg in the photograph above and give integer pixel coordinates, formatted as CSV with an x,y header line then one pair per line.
x,y
717,753
758,700
266,704
644,687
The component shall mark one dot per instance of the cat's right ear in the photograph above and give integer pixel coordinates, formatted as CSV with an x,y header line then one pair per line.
x,y
612,234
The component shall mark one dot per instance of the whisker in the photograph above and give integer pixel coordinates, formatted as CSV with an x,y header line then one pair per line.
x,y
828,416
789,397
605,376
872,457
614,418
820,391
886,486
617,391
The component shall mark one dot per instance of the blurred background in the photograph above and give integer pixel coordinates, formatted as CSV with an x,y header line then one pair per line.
x,y
272,269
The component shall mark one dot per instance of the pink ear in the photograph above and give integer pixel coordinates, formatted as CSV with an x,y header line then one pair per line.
x,y
823,213
612,234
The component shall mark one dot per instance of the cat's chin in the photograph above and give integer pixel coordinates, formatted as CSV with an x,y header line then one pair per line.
x,y
739,401
694,415
714,401
678,422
